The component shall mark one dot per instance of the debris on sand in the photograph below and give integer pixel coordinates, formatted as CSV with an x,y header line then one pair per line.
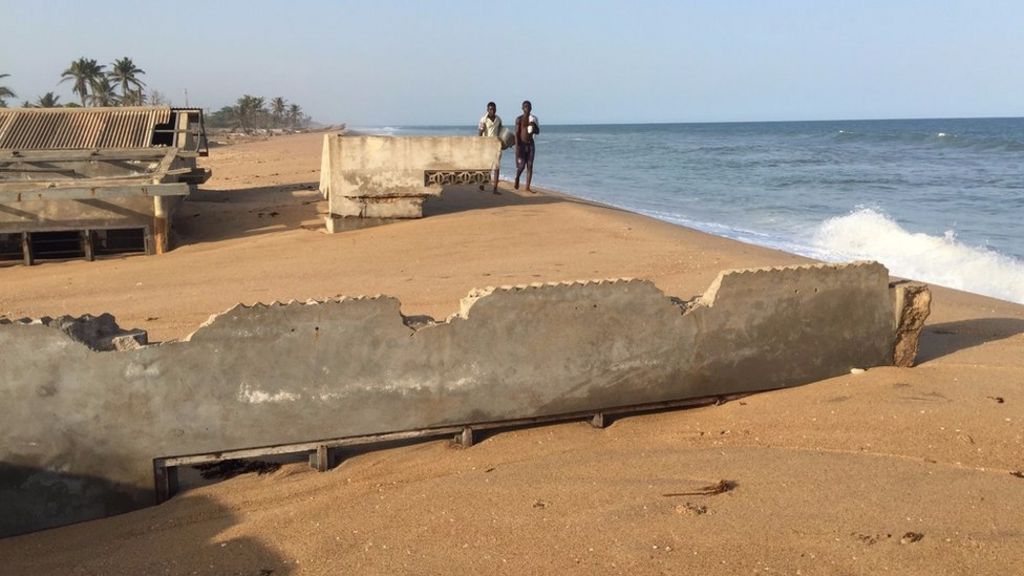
x,y
692,509
911,537
721,487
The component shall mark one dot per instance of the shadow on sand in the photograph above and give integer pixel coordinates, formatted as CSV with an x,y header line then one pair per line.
x,y
182,536
938,340
464,198
209,215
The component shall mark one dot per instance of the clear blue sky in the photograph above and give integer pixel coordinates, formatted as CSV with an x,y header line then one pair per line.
x,y
399,63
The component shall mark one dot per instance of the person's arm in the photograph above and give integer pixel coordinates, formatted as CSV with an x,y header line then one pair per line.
x,y
536,126
480,128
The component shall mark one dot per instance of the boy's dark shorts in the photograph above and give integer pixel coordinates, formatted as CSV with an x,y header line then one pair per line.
x,y
524,153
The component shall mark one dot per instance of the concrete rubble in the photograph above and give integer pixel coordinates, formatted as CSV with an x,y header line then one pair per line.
x,y
100,333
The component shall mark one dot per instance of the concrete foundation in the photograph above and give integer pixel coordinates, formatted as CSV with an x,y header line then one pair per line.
x,y
82,427
389,177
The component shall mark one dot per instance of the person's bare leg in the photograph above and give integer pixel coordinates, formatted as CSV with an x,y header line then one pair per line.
x,y
495,190
529,176
519,171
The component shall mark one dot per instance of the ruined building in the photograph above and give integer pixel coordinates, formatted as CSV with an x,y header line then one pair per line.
x,y
86,182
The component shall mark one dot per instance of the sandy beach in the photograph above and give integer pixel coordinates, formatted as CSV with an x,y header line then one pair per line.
x,y
904,470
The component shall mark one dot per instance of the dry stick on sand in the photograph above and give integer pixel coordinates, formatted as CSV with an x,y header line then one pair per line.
x,y
721,487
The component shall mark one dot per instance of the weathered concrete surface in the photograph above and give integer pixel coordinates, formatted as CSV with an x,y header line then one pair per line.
x,y
100,333
913,302
387,176
80,214
82,427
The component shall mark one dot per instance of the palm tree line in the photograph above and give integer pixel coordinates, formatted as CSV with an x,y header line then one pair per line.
x,y
255,113
120,85
95,85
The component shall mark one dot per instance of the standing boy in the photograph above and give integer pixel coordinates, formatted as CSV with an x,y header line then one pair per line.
x,y
526,128
490,126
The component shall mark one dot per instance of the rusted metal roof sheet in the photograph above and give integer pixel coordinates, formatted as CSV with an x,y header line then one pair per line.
x,y
79,128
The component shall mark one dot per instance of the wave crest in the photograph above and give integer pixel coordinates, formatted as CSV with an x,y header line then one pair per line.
x,y
943,260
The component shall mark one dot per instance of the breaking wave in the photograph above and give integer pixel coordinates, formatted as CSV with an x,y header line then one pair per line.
x,y
944,260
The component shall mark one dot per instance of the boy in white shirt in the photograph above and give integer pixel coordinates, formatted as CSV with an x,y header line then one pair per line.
x,y
490,126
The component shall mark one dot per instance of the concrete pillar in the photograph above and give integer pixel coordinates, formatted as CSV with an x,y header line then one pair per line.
x,y
161,229
87,247
26,247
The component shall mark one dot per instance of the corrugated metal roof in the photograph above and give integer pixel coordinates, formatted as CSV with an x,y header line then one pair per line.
x,y
78,128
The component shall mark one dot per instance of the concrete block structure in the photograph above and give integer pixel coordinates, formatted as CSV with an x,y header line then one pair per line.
x,y
82,182
389,177
90,414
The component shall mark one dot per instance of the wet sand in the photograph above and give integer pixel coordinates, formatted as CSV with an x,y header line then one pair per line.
x,y
902,470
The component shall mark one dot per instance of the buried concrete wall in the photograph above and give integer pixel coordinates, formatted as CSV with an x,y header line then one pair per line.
x,y
81,427
390,176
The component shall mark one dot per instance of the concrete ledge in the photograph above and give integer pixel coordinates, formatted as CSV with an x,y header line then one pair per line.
x,y
83,427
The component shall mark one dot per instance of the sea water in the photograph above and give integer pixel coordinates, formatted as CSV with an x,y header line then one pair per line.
x,y
940,201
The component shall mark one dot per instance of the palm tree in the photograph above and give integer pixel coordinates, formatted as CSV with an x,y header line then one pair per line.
x,y
249,111
295,116
133,98
48,100
277,110
104,93
124,73
86,74
5,92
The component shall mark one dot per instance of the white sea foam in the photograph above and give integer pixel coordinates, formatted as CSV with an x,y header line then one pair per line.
x,y
376,130
943,260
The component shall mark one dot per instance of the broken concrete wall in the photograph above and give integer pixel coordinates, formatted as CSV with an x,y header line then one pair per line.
x,y
390,176
82,427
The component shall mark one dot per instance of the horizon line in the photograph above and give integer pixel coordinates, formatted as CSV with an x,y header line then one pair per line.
x,y
667,123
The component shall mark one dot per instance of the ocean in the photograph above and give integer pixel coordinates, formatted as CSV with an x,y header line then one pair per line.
x,y
940,201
